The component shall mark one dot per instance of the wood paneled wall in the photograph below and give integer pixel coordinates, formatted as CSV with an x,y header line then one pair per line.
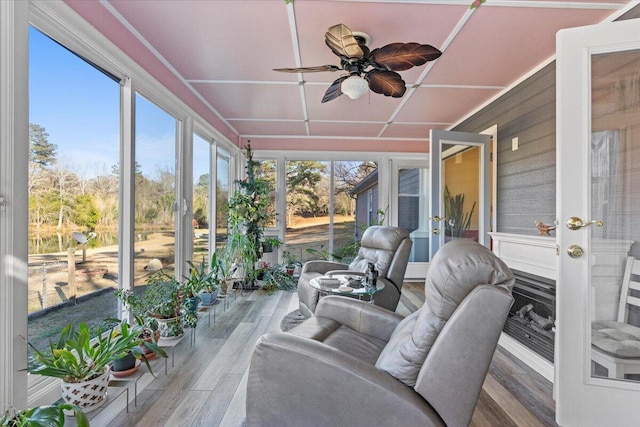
x,y
526,178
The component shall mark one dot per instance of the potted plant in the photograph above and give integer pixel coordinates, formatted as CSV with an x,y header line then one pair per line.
x,y
277,277
247,216
270,243
47,415
290,262
82,362
162,300
226,267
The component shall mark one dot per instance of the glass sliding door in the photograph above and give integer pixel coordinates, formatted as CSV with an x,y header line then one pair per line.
x,y
200,198
155,189
307,214
74,147
329,205
223,180
355,205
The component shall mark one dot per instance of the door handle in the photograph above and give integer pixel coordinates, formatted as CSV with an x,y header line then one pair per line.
x,y
438,219
575,223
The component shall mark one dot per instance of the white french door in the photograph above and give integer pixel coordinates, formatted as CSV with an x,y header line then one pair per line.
x,y
461,189
598,146
410,194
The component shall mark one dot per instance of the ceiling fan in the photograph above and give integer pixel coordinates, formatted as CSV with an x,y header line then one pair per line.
x,y
375,70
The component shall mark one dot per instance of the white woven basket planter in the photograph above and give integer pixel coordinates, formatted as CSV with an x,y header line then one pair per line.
x,y
88,395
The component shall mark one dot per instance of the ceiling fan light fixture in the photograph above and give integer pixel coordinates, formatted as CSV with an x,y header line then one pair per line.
x,y
354,87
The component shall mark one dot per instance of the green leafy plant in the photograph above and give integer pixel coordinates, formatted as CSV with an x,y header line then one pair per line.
x,y
200,278
75,358
162,297
44,416
457,221
277,278
270,243
247,217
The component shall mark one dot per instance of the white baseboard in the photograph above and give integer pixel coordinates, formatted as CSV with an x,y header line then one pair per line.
x,y
528,357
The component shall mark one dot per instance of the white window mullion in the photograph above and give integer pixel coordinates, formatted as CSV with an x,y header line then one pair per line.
x,y
127,185
14,124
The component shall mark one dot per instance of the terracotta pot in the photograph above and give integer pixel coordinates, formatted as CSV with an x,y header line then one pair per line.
x,y
149,354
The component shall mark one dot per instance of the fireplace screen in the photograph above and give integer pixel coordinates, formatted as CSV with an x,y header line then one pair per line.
x,y
532,317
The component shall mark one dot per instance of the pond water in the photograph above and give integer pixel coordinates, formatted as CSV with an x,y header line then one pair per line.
x,y
59,242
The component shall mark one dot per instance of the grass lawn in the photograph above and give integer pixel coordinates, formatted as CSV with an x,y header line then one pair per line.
x,y
97,306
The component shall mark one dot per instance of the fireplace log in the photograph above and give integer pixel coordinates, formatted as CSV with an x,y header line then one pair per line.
x,y
543,322
524,310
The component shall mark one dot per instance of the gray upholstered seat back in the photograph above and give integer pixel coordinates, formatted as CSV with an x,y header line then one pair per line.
x,y
379,245
456,270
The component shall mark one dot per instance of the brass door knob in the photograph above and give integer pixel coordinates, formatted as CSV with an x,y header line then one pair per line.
x,y
575,251
436,231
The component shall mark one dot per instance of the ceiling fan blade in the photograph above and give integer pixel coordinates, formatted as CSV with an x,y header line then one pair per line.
x,y
335,90
388,83
340,40
402,56
315,69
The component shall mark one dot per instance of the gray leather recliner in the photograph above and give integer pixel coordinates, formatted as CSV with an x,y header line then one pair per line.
x,y
356,364
386,246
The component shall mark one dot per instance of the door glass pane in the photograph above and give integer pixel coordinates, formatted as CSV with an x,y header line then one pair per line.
x,y
74,114
155,186
461,191
615,200
200,197
413,209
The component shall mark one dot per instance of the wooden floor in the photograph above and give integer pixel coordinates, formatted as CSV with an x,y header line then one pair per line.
x,y
206,386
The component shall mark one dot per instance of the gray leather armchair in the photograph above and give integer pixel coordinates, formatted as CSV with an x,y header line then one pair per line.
x,y
356,364
387,247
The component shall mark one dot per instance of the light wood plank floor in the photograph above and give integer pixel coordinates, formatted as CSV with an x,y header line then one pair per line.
x,y
206,386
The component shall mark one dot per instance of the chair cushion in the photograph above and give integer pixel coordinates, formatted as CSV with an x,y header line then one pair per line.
x,y
378,245
361,346
616,338
458,268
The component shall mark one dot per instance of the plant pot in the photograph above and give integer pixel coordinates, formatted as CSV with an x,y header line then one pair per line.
x,y
192,304
208,298
148,353
88,395
267,247
171,328
126,372
124,363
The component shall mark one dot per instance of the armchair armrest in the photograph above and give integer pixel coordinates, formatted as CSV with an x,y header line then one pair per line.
x,y
295,381
321,266
359,315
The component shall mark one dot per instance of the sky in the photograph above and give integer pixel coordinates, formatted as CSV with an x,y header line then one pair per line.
x,y
79,107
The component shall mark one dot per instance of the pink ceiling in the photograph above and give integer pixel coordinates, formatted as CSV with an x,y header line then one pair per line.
x,y
224,52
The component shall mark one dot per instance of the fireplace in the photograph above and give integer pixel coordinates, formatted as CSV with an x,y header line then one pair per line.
x,y
531,320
